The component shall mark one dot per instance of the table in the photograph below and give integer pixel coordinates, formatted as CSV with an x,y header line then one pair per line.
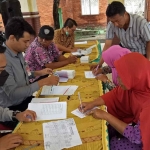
x,y
96,51
93,132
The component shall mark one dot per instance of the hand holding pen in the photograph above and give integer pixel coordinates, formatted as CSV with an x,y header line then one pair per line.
x,y
97,67
57,76
86,106
97,71
26,116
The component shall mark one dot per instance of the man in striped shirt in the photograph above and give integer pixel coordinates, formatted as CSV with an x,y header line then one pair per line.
x,y
132,30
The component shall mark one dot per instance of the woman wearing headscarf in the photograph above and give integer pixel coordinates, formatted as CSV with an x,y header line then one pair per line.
x,y
127,103
110,56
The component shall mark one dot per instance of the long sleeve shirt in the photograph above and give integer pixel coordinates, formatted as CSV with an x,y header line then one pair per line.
x,y
16,88
5,114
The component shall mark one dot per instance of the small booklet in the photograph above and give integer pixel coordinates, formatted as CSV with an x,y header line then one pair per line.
x,y
59,90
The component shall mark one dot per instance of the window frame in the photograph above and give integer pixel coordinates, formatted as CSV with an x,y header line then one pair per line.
x,y
90,8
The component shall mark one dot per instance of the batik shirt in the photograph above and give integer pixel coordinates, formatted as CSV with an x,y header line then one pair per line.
x,y
38,56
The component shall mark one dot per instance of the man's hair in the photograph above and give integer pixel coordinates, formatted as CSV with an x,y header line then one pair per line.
x,y
115,8
17,26
2,49
70,23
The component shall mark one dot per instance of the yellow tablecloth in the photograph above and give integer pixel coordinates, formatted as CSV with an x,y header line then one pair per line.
x,y
92,131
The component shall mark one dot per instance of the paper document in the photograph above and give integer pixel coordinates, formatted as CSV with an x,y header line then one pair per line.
x,y
71,73
60,134
84,59
59,90
89,50
82,42
49,111
63,76
76,112
45,100
86,51
89,74
79,52
63,79
79,114
76,53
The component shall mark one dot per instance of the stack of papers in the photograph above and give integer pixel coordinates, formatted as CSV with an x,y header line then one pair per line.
x,y
63,76
59,90
45,100
60,134
84,52
82,42
89,50
80,52
89,75
71,73
84,59
49,111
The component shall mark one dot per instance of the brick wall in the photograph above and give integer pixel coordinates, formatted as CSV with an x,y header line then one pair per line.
x,y
45,8
34,22
72,9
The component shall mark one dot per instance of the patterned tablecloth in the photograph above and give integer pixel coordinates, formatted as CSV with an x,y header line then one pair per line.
x,y
93,132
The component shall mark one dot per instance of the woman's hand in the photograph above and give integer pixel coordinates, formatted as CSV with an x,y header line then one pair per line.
x,y
98,114
97,71
84,107
119,125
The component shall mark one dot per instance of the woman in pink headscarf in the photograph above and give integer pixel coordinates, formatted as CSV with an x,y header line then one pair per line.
x,y
110,56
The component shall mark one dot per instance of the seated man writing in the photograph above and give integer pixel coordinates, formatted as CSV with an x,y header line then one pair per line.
x,y
43,53
17,92
64,38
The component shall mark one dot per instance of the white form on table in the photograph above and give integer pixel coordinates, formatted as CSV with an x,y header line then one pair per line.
x,y
49,111
60,134
45,100
59,90
63,76
89,75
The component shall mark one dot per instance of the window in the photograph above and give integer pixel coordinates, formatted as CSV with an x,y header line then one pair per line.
x,y
90,7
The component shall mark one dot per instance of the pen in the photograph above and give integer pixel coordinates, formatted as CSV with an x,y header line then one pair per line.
x,y
80,101
66,90
97,67
51,88
55,74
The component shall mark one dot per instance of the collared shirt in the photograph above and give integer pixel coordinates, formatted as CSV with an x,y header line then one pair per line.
x,y
61,38
37,56
136,35
16,88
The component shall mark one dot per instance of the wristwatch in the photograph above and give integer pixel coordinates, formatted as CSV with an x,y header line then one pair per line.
x,y
14,113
